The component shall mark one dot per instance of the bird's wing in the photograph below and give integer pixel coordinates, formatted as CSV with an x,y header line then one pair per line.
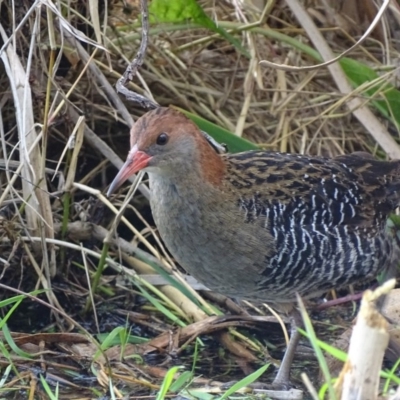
x,y
351,190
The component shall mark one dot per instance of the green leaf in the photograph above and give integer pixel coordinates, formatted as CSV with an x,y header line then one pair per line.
x,y
235,143
333,351
167,382
184,378
52,396
244,382
394,221
391,376
10,341
175,11
386,96
170,279
189,10
317,349
6,375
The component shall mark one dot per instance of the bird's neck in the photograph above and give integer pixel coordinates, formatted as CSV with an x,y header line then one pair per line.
x,y
211,166
181,189
183,202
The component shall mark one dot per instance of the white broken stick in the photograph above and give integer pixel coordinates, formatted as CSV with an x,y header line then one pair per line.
x,y
359,378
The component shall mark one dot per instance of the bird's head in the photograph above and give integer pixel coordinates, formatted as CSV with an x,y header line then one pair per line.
x,y
165,142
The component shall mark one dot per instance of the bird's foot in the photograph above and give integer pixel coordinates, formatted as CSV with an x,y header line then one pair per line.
x,y
282,385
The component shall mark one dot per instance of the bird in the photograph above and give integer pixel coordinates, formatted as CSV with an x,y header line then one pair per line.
x,y
265,226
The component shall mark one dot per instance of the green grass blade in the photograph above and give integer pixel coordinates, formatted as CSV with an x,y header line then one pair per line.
x,y
109,339
46,387
9,339
244,382
391,376
235,143
5,375
167,313
183,379
167,382
317,350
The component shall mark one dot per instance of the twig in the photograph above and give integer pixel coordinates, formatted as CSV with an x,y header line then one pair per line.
x,y
133,67
371,27
103,81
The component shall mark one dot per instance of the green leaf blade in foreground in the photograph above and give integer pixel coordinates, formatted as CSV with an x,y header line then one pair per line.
x,y
235,143
167,382
246,381
171,11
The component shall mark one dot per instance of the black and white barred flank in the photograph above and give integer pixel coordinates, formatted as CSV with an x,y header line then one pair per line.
x,y
327,218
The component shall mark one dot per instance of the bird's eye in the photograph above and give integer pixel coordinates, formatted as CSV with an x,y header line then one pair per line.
x,y
162,139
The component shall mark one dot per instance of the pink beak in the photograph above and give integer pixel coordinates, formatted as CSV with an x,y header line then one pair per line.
x,y
135,161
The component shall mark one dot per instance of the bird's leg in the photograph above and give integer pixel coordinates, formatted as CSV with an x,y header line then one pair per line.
x,y
282,379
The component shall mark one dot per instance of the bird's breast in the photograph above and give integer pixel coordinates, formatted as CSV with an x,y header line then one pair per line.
x,y
208,236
